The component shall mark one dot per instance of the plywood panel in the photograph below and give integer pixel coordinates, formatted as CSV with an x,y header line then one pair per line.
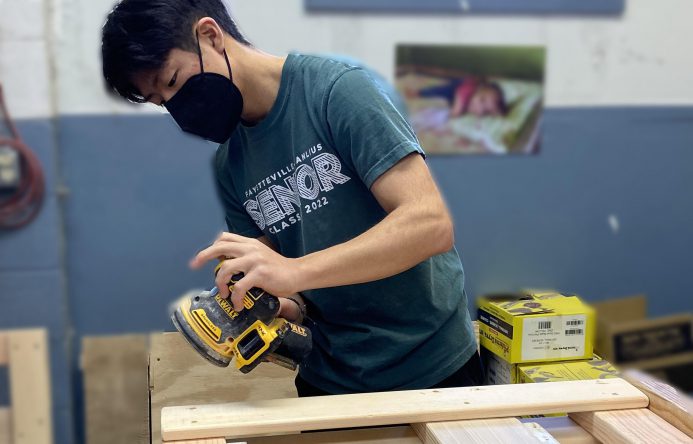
x,y
486,431
5,426
372,409
30,387
666,401
116,389
635,426
4,354
179,376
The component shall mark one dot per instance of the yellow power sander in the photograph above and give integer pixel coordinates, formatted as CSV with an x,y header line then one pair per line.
x,y
253,335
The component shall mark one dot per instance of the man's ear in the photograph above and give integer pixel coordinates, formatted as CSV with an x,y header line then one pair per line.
x,y
210,32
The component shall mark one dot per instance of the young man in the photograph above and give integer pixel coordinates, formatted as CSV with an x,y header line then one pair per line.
x,y
325,191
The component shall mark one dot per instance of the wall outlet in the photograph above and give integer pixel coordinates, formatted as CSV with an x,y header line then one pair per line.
x,y
10,170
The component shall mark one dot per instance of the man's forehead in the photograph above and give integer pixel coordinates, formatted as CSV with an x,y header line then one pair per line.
x,y
145,81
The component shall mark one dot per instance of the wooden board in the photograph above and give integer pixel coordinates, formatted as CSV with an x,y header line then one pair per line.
x,y
375,435
372,409
178,375
636,426
540,433
116,389
667,402
486,431
206,441
5,426
4,352
30,387
563,429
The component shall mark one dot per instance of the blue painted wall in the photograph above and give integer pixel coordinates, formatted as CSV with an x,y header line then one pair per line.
x,y
32,278
140,201
140,204
542,221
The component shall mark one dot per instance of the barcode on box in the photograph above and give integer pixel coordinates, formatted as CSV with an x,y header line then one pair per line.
x,y
574,331
575,322
544,324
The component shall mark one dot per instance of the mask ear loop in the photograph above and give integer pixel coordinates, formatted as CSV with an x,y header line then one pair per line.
x,y
199,52
199,55
228,65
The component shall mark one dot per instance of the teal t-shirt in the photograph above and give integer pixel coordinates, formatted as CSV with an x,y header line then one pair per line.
x,y
302,177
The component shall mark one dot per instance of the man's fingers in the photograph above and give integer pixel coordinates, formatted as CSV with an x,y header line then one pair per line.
x,y
231,237
228,268
240,289
219,248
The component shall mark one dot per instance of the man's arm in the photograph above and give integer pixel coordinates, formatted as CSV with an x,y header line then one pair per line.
x,y
288,306
417,227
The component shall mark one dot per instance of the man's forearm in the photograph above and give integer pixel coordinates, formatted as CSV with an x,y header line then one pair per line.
x,y
292,308
401,240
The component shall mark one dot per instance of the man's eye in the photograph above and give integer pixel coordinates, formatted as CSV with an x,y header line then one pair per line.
x,y
173,79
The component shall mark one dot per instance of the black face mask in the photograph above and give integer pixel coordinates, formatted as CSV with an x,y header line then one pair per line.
x,y
208,105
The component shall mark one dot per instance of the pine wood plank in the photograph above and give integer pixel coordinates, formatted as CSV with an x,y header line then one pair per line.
x,y
116,389
563,429
256,418
4,343
203,441
373,435
5,425
635,426
666,401
540,433
482,431
178,375
30,387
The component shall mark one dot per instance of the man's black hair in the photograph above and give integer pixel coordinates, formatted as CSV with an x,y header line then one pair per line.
x,y
139,34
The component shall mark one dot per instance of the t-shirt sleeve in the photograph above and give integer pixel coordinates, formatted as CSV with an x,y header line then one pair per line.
x,y
365,126
238,220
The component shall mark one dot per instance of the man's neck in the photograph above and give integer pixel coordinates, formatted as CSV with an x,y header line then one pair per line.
x,y
257,75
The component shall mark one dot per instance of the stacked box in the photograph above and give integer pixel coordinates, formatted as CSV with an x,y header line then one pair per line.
x,y
661,346
524,328
596,368
532,327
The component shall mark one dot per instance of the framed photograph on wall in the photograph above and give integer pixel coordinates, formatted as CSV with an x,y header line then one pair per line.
x,y
473,99
610,7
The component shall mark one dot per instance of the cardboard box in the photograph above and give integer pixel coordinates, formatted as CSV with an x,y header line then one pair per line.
x,y
625,337
676,373
536,327
595,368
497,371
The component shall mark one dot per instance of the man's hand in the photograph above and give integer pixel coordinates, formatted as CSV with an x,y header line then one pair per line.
x,y
262,266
